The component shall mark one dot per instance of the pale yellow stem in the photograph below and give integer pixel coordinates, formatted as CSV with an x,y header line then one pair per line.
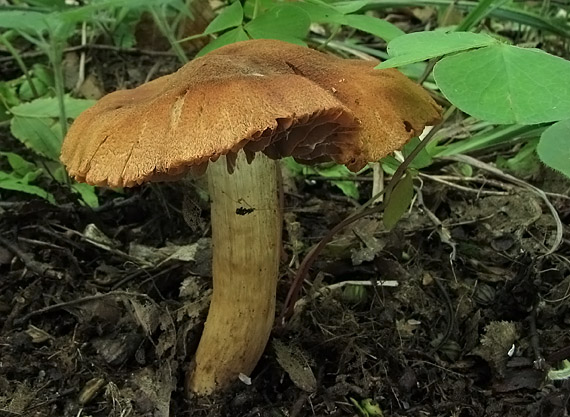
x,y
246,240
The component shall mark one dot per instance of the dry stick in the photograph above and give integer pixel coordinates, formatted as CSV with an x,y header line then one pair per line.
x,y
78,302
81,73
363,211
478,180
448,180
463,188
378,179
539,361
39,268
58,395
489,168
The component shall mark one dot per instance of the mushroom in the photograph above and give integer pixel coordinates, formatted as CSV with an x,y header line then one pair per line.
x,y
270,99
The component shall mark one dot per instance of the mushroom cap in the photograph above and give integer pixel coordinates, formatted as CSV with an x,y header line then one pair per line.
x,y
257,95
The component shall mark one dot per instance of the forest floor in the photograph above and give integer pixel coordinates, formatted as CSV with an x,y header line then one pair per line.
x,y
101,309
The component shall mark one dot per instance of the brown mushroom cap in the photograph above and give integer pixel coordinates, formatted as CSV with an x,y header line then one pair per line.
x,y
259,95
390,107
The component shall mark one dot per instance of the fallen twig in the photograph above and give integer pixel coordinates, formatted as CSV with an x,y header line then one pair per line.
x,y
39,268
78,301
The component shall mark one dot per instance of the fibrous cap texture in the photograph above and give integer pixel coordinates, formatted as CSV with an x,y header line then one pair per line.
x,y
257,96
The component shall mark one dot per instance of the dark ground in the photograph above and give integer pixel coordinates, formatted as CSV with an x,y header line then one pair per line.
x,y
100,310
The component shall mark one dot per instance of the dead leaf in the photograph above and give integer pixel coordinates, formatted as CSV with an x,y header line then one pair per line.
x,y
496,344
96,237
38,335
146,314
199,252
155,387
91,88
294,362
90,390
20,400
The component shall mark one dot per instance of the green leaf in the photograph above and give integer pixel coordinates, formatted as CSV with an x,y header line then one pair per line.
x,y
231,17
87,193
348,188
422,159
419,46
399,201
48,4
26,93
232,36
351,6
524,164
89,11
285,22
511,12
463,169
31,176
554,147
59,29
8,98
18,164
42,77
320,12
37,134
389,164
35,23
13,183
123,32
56,171
26,21
251,7
47,107
506,84
44,74
377,27
293,166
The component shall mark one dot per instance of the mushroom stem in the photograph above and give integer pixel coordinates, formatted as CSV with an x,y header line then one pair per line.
x,y
246,241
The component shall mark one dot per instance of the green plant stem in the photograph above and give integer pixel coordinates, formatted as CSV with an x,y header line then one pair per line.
x,y
54,51
333,34
55,54
497,136
255,9
166,30
483,8
20,62
192,37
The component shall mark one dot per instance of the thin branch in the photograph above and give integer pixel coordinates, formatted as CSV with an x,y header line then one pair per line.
x,y
463,188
